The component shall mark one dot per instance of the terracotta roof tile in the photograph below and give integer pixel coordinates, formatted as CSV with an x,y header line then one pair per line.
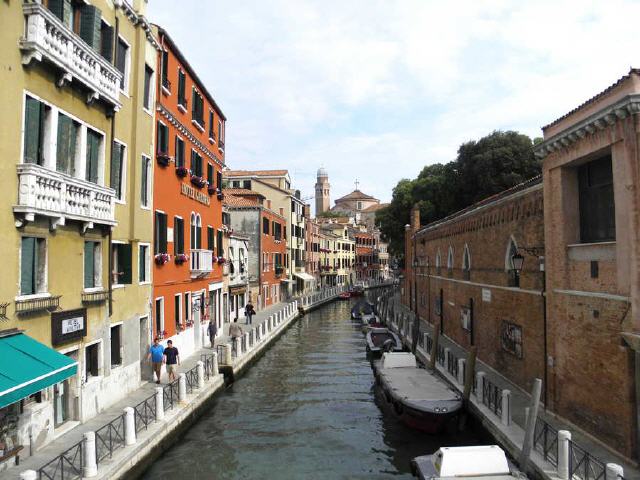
x,y
356,194
233,201
241,192
254,173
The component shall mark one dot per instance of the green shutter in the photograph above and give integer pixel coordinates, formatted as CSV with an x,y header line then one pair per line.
x,y
220,249
93,152
142,264
181,87
124,260
219,180
116,168
121,59
65,151
210,241
62,9
89,262
194,106
143,186
163,233
27,266
210,173
90,26
32,131
106,42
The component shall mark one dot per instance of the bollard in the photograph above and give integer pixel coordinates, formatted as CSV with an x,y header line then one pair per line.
x,y
129,426
236,341
227,355
461,363
246,340
479,384
526,415
446,359
29,475
613,471
160,404
182,388
505,419
563,454
200,369
90,467
214,367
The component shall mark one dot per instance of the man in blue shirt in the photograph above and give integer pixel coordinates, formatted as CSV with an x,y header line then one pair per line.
x,y
156,354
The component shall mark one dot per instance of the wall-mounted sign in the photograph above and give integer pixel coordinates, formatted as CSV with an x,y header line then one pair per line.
x,y
486,295
68,325
197,195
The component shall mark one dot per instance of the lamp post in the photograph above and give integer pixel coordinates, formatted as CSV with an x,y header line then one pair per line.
x,y
517,261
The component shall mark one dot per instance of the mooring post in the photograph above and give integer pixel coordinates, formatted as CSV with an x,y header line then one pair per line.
x,y
129,426
469,372
90,468
564,436
531,425
614,472
434,349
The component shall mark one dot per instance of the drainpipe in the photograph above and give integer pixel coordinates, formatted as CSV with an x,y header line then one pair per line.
x,y
113,133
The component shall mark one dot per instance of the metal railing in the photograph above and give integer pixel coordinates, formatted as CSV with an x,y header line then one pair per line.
x,y
583,465
207,360
251,338
170,395
545,441
440,356
492,396
66,466
192,379
243,344
452,364
144,413
429,344
109,438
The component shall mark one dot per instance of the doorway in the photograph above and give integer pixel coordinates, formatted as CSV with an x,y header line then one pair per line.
x,y
145,342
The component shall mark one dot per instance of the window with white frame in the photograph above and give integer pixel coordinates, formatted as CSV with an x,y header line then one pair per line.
x,y
187,307
121,263
159,317
33,266
145,181
92,264
67,144
144,264
177,310
118,169
92,354
123,62
116,346
148,87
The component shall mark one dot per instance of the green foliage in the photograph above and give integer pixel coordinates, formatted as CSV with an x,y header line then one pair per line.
x,y
482,168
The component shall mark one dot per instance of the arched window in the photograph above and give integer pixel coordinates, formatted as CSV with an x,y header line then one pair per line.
x,y
232,259
196,232
192,229
438,262
466,263
513,279
450,260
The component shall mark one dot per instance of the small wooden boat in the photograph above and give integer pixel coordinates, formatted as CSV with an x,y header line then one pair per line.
x,y
344,296
357,290
382,340
476,463
416,396
360,309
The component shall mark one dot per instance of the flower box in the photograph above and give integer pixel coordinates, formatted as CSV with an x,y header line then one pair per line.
x,y
198,181
211,189
163,159
182,171
181,258
220,194
162,258
214,259
221,260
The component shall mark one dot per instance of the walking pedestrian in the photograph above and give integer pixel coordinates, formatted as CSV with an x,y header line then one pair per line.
x,y
249,312
172,359
212,329
156,355
235,331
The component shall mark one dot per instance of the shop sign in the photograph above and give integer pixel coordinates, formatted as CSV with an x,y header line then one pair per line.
x,y
68,325
198,196
486,295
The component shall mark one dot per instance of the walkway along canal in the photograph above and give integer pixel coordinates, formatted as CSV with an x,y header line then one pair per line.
x,y
305,409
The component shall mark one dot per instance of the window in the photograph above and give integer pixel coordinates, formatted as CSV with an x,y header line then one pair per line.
x,y
166,84
210,174
145,181
219,244
122,62
116,343
117,169
179,152
221,133
92,264
35,116
219,180
438,262
210,239
160,233
106,41
178,235
162,142
144,273
211,134
196,163
148,87
265,226
513,279
187,307
466,263
33,266
246,184
511,338
450,260
66,144
159,318
597,205
121,264
196,232
90,27
177,307
94,143
197,107
91,360
182,82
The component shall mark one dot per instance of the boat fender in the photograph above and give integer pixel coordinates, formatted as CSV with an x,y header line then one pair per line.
x,y
398,408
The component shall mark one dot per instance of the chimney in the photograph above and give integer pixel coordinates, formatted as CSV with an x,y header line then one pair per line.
x,y
415,218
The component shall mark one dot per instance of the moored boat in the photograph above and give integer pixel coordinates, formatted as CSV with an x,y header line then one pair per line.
x,y
382,340
416,396
344,296
360,309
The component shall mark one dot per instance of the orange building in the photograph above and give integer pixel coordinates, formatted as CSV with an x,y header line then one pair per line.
x,y
366,255
187,199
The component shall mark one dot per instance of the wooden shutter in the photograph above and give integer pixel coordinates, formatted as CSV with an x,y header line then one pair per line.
x,y
147,86
179,152
116,168
210,239
93,154
32,131
156,232
210,173
181,87
211,127
198,237
176,309
89,264
106,41
143,182
178,235
90,26
66,148
163,232
219,180
142,263
115,345
194,104
121,59
61,9
219,241
28,262
124,261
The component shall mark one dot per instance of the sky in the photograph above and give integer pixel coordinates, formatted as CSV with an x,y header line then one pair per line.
x,y
375,90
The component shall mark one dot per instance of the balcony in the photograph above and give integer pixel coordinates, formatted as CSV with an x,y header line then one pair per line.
x,y
201,263
53,194
47,38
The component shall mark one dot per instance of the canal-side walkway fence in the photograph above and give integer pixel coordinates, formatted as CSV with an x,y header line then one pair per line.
x,y
567,459
100,443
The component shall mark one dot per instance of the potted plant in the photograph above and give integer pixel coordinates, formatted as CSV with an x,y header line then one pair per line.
x,y
163,159
182,171
162,258
181,258
198,181
220,194
221,260
211,189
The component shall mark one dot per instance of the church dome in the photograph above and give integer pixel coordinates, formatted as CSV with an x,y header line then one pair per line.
x,y
322,172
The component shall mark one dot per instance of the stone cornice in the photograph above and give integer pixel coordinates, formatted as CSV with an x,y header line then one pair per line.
x,y
187,133
600,120
136,20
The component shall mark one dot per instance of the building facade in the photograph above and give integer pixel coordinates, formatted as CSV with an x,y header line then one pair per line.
x,y
188,233
312,248
77,139
238,262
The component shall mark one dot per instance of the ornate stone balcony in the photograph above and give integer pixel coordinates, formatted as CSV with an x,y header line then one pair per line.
x,y
47,39
54,194
201,263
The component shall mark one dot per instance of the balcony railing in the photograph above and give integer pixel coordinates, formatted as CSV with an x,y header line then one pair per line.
x,y
201,262
47,38
54,194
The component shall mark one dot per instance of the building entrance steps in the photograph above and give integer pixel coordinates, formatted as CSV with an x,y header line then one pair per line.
x,y
520,400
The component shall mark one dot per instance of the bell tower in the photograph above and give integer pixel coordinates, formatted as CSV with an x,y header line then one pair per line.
x,y
322,192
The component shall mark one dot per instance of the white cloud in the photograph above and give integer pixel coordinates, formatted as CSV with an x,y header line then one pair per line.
x,y
376,89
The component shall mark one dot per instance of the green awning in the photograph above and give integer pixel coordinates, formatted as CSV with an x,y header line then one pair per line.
x,y
28,366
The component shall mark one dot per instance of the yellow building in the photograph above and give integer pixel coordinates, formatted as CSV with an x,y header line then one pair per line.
x,y
76,227
337,255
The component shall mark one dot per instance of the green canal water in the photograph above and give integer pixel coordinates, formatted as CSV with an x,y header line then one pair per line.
x,y
305,410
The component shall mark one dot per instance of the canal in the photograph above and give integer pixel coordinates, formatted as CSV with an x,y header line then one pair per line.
x,y
306,409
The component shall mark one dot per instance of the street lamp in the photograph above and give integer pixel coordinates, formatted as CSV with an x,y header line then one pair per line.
x,y
517,261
